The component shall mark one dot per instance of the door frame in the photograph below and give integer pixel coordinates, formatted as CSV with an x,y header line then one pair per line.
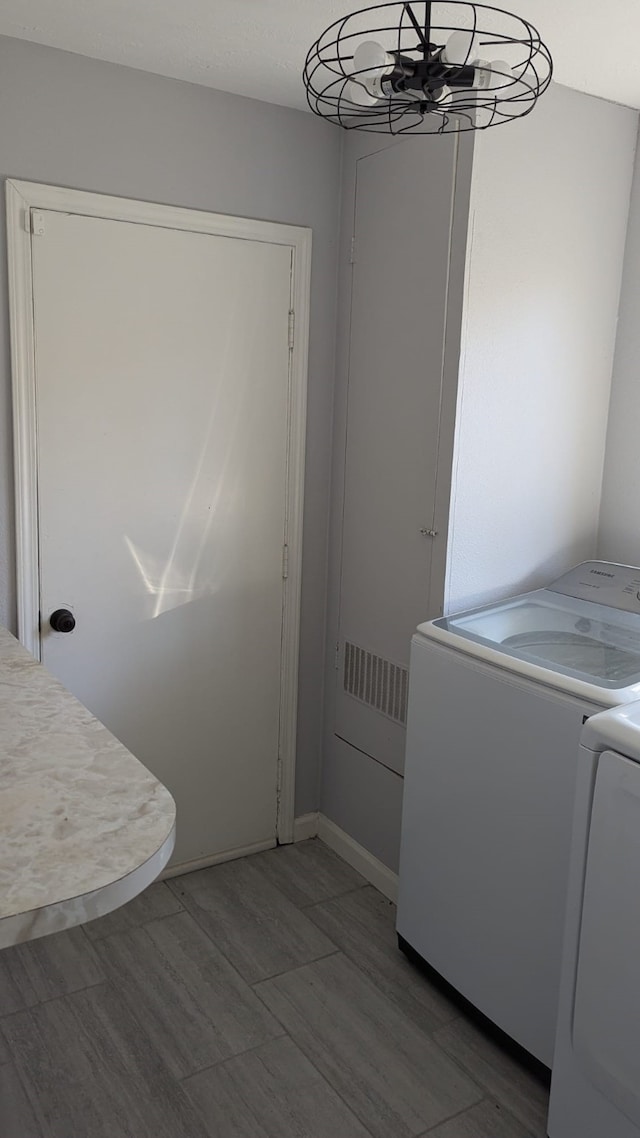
x,y
22,198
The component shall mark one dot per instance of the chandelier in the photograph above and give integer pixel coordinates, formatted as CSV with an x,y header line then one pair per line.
x,y
426,67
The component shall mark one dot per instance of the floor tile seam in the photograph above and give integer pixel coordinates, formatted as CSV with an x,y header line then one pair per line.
x,y
52,999
249,985
93,941
309,1057
468,1075
349,953
339,1095
451,1118
194,917
249,989
284,1034
335,897
108,982
458,1114
482,1091
300,1044
266,879
191,906
30,1088
428,1034
491,1100
170,883
159,1059
28,944
366,884
526,1128
253,984
231,961
488,1091
132,929
268,980
99,943
271,879
330,896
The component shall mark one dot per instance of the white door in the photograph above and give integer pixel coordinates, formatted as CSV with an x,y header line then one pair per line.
x,y
162,373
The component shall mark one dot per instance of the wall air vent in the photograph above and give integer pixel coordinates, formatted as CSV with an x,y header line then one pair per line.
x,y
376,682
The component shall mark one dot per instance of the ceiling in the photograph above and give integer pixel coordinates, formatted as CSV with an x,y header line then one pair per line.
x,y
257,47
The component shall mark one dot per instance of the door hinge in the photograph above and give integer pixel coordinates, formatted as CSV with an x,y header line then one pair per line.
x,y
292,326
285,562
337,661
352,251
36,223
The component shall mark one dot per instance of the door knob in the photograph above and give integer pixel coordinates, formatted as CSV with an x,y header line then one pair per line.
x,y
62,620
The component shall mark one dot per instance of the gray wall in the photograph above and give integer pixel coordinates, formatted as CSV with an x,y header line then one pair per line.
x,y
360,793
77,122
620,511
549,204
547,223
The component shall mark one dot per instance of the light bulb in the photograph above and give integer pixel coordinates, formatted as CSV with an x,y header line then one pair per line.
x,y
356,92
371,56
461,49
371,65
442,94
500,74
490,76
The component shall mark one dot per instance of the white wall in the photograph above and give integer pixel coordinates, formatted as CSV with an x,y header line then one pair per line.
x,y
549,204
620,512
95,126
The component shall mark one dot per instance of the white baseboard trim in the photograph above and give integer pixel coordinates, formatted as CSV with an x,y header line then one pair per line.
x,y
313,825
216,859
358,857
306,826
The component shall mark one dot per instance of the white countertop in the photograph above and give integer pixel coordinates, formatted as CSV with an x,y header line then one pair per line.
x,y
84,826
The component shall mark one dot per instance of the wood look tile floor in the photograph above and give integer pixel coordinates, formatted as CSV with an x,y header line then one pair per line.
x,y
263,998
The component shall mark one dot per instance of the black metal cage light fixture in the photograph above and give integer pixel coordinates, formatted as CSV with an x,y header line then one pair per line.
x,y
426,67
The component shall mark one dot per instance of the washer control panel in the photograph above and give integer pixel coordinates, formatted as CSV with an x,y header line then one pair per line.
x,y
602,582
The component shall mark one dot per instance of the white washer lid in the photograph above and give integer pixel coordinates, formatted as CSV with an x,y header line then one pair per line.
x,y
566,635
617,729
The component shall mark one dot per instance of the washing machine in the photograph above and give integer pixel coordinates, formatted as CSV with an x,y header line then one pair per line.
x,y
595,1087
497,700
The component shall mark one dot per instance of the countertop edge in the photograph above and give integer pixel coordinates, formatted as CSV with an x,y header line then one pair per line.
x,y
60,915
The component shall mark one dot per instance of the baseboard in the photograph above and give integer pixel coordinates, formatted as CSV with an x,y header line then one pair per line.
x,y
216,859
313,825
375,871
306,826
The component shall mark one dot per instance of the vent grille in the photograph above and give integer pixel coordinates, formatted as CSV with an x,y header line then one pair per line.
x,y
376,682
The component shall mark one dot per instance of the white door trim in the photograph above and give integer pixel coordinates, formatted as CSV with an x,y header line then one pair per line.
x,y
22,198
